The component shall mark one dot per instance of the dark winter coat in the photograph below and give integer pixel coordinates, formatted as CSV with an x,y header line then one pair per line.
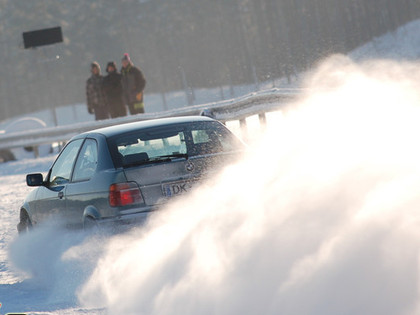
x,y
133,82
95,97
114,94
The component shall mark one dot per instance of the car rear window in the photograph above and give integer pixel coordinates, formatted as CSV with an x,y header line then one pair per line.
x,y
200,138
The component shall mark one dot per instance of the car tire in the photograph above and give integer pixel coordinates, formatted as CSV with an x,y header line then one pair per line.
x,y
25,223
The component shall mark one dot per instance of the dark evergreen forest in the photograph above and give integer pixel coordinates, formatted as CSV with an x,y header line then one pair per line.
x,y
179,44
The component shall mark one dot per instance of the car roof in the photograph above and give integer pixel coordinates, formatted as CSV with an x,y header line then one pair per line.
x,y
144,124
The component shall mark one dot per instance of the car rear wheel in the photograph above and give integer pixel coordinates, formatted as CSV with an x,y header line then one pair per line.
x,y
25,223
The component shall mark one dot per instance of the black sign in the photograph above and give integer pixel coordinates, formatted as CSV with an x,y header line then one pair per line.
x,y
42,37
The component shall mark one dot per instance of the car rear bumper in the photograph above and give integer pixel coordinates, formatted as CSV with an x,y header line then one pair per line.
x,y
128,217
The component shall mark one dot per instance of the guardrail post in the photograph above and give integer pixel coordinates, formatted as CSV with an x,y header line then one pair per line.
x,y
244,128
36,151
263,119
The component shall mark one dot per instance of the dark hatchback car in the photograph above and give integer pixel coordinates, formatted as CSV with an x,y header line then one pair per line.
x,y
122,173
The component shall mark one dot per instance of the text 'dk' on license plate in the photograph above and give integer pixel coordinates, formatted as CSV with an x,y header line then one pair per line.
x,y
177,188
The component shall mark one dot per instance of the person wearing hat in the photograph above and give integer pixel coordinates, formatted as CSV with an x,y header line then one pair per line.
x,y
133,83
95,96
114,92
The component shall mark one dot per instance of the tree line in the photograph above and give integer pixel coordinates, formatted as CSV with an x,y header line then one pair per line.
x,y
179,44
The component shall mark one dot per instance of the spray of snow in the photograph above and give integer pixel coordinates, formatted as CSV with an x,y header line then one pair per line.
x,y
321,217
53,263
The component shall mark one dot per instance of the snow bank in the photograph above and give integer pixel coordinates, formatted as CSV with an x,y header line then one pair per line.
x,y
402,44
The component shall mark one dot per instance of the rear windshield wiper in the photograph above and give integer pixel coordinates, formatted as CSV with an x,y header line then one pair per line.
x,y
157,159
172,156
166,158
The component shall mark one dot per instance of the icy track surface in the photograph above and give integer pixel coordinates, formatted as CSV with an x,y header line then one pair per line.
x,y
321,217
35,275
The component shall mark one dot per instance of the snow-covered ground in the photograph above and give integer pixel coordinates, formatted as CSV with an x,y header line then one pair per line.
x,y
321,218
403,44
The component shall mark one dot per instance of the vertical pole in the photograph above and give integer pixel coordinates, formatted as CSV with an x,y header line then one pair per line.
x,y
54,114
74,110
244,128
165,104
52,104
36,151
222,93
263,120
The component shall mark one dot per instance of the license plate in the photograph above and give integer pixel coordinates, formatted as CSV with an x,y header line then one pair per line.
x,y
177,188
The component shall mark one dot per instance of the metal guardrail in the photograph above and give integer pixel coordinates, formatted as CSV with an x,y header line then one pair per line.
x,y
236,109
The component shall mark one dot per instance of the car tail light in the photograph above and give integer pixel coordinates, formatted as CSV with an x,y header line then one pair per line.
x,y
124,194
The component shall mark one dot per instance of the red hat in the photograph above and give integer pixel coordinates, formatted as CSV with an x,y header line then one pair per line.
x,y
126,57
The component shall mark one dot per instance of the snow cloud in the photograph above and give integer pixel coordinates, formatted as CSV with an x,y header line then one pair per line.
x,y
321,217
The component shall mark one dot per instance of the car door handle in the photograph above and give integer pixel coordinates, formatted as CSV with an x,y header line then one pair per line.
x,y
60,195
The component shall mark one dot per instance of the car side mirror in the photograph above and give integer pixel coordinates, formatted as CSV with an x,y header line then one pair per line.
x,y
35,179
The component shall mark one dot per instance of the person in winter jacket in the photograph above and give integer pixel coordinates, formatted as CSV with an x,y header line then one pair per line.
x,y
113,91
95,96
133,83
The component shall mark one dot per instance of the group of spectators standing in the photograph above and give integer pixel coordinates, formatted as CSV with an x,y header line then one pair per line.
x,y
109,96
